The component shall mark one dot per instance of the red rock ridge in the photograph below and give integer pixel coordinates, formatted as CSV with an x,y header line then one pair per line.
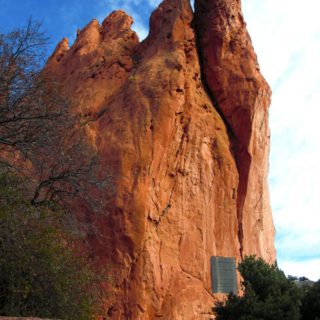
x,y
232,75
174,148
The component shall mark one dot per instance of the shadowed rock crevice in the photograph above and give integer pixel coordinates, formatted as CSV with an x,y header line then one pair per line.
x,y
234,142
232,77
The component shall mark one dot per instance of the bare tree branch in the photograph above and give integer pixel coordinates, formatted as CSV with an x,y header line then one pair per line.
x,y
37,130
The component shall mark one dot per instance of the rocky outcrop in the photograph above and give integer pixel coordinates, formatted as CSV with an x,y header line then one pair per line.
x,y
242,96
180,122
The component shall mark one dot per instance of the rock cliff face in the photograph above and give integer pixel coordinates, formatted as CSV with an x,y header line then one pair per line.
x,y
180,121
242,97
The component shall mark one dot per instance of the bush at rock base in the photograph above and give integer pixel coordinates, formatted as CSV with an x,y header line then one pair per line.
x,y
40,272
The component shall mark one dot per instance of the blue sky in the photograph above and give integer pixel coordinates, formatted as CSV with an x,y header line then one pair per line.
x,y
286,37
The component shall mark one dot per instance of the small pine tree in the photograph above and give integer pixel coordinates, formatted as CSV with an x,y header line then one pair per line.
x,y
310,308
268,294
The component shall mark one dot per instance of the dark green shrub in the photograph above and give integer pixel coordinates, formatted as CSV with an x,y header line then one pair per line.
x,y
40,273
268,294
310,308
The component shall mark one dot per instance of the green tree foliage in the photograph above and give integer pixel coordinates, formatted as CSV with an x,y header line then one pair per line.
x,y
40,272
310,308
268,294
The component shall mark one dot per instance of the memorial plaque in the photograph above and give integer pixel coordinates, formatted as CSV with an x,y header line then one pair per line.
x,y
224,275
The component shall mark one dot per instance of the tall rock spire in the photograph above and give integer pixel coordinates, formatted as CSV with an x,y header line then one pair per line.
x,y
242,96
183,140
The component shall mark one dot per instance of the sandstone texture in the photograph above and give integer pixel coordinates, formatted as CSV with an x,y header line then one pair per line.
x,y
180,121
242,96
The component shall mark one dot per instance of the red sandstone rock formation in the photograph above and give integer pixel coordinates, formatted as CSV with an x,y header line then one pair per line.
x,y
242,96
181,125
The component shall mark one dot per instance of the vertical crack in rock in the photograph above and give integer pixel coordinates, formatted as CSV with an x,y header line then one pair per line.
x,y
242,97
231,135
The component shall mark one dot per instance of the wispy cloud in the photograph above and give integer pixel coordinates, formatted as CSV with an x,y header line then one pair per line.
x,y
139,10
310,268
287,41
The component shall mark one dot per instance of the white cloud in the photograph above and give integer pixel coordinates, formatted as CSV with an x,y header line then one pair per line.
x,y
309,268
139,10
286,38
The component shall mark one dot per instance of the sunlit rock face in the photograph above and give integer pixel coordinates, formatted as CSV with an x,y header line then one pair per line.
x,y
242,96
180,122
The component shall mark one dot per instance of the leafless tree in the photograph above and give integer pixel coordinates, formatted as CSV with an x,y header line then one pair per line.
x,y
39,136
24,100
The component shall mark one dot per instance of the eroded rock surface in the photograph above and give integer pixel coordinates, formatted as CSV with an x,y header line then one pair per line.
x,y
185,147
232,75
